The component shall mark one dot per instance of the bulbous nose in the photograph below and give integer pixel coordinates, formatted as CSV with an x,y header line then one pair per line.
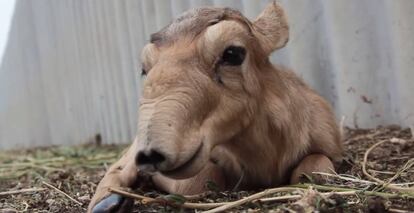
x,y
151,157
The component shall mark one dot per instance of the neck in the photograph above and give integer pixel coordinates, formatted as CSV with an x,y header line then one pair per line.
x,y
260,151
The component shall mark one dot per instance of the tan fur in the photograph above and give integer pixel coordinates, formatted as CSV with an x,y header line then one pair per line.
x,y
312,163
259,123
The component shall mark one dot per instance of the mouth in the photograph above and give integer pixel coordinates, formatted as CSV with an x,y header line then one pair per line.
x,y
182,169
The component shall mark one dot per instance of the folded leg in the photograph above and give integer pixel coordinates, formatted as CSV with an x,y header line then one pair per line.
x,y
312,163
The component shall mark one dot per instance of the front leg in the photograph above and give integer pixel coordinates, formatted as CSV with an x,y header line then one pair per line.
x,y
122,173
312,163
194,185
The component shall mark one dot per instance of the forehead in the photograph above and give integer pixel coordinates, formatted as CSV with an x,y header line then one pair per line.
x,y
193,22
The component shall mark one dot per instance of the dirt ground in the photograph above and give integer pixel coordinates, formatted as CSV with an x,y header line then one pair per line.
x,y
77,170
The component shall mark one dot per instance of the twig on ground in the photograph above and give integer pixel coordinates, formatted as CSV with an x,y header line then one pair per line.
x,y
21,191
404,184
222,206
360,191
370,136
60,191
398,211
404,168
357,180
295,197
251,198
47,168
26,206
198,196
127,194
388,186
381,172
148,200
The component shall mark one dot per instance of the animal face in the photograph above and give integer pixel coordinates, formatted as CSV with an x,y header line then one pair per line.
x,y
203,85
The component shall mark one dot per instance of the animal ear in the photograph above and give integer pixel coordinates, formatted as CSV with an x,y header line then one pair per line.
x,y
271,28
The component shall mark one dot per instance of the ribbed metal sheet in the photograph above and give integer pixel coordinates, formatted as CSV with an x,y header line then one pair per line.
x,y
70,70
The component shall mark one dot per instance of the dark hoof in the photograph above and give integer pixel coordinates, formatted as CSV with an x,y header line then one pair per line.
x,y
113,203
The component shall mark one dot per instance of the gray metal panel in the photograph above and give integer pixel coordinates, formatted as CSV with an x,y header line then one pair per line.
x,y
71,68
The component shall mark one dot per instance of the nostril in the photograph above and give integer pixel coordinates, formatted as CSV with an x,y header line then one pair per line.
x,y
152,157
157,157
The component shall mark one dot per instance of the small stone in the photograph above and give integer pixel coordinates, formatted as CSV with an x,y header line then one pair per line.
x,y
84,187
50,201
84,198
376,205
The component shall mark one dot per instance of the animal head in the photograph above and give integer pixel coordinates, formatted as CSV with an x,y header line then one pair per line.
x,y
204,76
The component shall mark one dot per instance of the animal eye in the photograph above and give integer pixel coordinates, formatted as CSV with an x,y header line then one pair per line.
x,y
233,56
143,72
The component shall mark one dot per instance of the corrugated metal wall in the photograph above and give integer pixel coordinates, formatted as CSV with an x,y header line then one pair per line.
x,y
70,70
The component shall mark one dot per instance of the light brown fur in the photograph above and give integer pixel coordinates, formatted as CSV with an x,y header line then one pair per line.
x,y
260,123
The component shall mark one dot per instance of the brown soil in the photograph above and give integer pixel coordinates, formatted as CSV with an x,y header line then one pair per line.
x,y
77,170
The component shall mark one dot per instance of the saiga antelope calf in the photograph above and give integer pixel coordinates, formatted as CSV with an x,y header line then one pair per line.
x,y
214,108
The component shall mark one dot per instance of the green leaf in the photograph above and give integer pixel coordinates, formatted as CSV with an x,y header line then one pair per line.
x,y
212,186
174,199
